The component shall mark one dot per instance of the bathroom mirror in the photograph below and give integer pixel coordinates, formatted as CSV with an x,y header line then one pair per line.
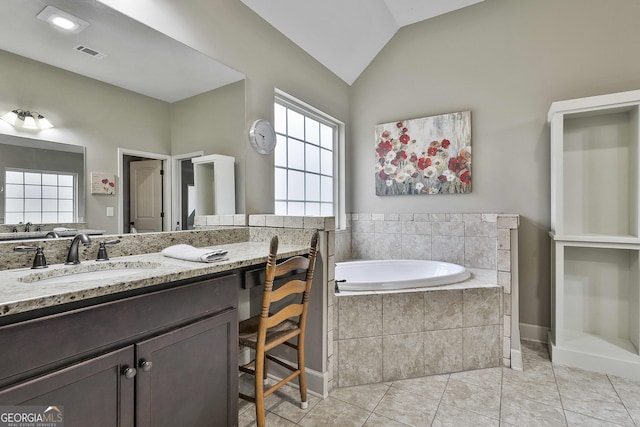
x,y
128,86
19,155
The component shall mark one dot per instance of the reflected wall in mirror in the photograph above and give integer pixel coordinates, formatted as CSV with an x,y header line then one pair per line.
x,y
41,181
122,106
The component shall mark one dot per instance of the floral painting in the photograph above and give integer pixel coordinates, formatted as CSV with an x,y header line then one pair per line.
x,y
103,183
431,155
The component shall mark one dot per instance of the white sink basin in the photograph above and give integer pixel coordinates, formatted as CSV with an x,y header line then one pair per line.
x,y
89,272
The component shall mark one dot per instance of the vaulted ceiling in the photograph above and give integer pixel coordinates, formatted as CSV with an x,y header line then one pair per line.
x,y
345,35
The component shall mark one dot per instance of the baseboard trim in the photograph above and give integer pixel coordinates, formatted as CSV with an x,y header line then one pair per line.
x,y
317,382
534,333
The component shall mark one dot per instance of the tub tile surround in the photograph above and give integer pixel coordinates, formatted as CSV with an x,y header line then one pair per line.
x,y
468,326
440,331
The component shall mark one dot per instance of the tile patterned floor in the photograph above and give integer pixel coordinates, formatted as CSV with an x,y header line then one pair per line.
x,y
541,395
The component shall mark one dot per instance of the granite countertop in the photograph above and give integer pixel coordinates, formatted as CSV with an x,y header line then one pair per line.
x,y
22,235
20,290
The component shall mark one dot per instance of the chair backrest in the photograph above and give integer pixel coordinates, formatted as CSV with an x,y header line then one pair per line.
x,y
295,265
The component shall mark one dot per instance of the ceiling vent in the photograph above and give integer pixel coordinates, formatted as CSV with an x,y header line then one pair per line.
x,y
91,52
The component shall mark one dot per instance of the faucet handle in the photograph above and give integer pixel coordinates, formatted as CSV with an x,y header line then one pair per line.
x,y
102,250
39,261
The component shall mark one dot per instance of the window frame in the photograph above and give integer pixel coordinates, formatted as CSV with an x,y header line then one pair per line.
x,y
337,151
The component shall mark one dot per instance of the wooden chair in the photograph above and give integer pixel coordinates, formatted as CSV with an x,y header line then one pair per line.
x,y
268,330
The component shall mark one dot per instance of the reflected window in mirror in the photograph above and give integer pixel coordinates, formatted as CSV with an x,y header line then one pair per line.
x,y
40,196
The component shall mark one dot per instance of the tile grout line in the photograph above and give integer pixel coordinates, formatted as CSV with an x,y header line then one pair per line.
x,y
441,397
613,386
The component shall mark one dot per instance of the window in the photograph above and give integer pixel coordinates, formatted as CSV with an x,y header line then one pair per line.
x,y
39,197
304,161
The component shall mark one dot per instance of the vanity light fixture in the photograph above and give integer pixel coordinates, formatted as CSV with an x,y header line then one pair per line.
x,y
30,120
62,20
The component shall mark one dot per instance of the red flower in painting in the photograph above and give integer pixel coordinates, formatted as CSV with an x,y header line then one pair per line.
x,y
404,138
401,155
457,164
385,134
454,164
413,158
383,148
399,125
442,178
424,163
445,143
465,178
432,151
111,184
104,181
404,130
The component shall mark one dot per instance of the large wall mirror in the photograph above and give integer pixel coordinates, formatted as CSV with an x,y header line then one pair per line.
x,y
117,85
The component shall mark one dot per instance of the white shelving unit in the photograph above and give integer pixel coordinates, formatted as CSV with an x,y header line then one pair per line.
x,y
595,220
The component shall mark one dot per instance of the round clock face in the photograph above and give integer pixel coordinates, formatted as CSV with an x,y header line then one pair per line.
x,y
262,136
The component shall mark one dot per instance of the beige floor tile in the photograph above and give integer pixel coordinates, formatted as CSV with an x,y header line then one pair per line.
x,y
490,377
534,354
536,384
248,419
590,394
431,387
379,421
284,402
629,392
407,407
578,420
481,399
523,412
450,416
333,412
364,396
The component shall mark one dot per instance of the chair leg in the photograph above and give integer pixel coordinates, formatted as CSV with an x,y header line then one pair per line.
x,y
302,379
259,391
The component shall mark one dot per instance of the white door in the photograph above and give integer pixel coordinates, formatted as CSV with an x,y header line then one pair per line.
x,y
146,195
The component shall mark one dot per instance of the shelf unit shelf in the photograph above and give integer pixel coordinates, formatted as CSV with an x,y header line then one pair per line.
x,y
595,240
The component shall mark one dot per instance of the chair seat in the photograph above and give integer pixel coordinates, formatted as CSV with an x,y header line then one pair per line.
x,y
248,331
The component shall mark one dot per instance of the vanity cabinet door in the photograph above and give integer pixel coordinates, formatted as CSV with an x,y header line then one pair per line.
x,y
188,376
94,392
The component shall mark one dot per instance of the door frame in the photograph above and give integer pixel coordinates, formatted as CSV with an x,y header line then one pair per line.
x,y
167,190
176,182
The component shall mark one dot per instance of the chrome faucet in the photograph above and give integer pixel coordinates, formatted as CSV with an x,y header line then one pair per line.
x,y
27,227
72,256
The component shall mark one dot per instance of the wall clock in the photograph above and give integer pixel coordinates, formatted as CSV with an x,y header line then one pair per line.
x,y
262,136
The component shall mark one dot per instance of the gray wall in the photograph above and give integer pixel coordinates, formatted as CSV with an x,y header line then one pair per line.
x,y
506,61
88,113
230,32
214,123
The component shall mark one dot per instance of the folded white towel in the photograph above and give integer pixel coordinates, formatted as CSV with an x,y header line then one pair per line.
x,y
59,229
189,253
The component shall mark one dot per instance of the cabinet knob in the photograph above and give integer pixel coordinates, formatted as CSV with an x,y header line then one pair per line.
x,y
128,372
145,365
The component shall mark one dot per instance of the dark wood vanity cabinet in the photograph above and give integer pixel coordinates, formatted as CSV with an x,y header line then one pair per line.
x,y
164,358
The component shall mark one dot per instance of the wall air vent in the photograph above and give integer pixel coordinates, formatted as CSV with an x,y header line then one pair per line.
x,y
91,52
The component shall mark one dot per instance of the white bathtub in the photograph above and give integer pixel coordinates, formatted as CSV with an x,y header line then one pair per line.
x,y
385,275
